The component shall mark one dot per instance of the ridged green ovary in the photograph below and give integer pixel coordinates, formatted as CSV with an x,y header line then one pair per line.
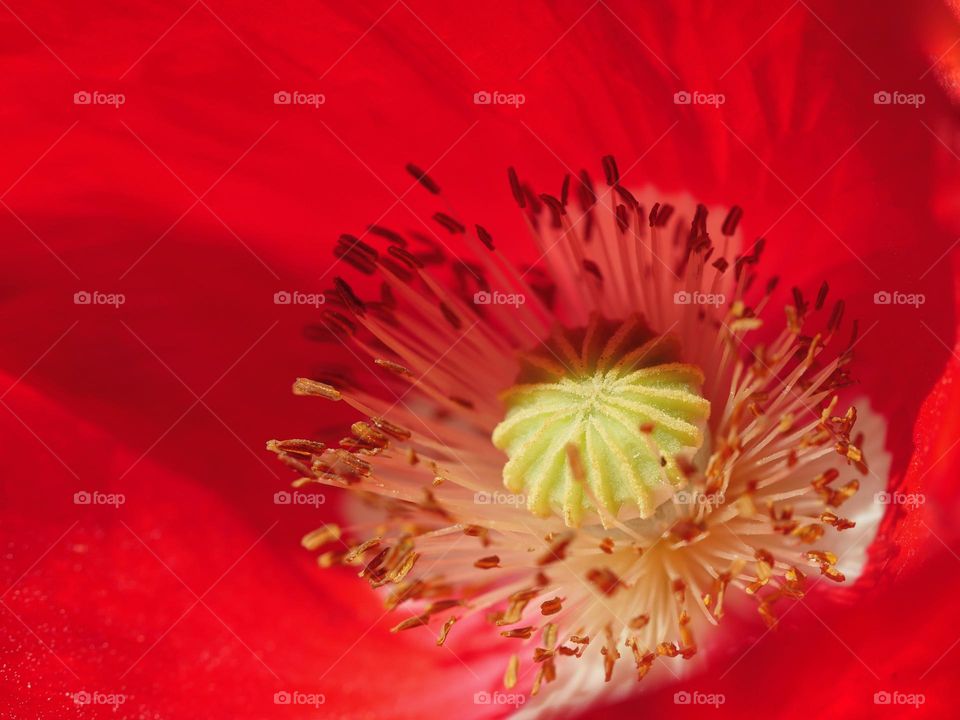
x,y
602,416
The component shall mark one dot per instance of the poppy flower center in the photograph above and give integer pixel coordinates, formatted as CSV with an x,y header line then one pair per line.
x,y
604,427
601,417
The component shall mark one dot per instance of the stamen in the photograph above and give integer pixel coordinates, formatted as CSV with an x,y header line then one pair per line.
x,y
423,179
653,456
305,386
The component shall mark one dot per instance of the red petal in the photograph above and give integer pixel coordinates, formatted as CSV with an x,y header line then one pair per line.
x,y
190,598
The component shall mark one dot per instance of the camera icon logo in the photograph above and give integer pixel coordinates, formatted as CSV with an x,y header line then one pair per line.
x,y
82,498
682,697
882,97
82,98
882,298
82,298
282,297
481,698
481,297
882,698
282,97
282,497
82,698
682,98
681,297
282,697
882,498
482,98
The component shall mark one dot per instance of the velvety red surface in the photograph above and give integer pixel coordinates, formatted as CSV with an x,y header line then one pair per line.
x,y
199,198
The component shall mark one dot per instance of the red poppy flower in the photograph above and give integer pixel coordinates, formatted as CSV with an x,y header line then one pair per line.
x,y
170,170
